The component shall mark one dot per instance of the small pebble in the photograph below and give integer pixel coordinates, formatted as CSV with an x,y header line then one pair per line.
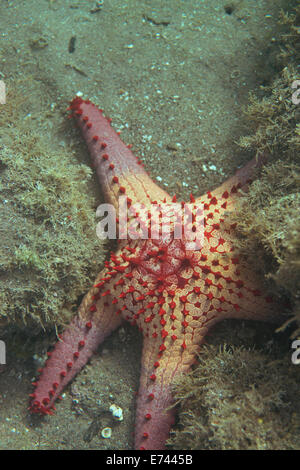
x,y
117,412
106,433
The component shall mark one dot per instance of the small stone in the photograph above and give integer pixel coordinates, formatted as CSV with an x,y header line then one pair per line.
x,y
38,43
106,433
117,412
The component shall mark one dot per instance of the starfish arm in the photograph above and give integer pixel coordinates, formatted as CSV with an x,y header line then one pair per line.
x,y
222,284
224,197
96,320
171,346
118,170
155,413
244,296
153,427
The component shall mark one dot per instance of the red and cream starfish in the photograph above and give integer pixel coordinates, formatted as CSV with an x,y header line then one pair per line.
x,y
172,293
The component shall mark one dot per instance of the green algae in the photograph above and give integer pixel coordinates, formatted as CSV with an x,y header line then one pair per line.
x,y
50,253
238,399
268,217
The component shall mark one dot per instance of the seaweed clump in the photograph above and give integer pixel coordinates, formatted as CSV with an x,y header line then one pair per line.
x,y
268,217
49,248
238,399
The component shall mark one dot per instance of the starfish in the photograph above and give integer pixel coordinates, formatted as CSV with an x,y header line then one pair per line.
x,y
172,291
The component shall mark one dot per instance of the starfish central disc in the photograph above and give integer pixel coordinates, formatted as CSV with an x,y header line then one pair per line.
x,y
165,263
164,260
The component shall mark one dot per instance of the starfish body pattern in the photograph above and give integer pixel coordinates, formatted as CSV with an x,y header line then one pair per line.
x,y
173,294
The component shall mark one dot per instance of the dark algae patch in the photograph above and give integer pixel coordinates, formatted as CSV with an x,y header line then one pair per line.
x,y
46,257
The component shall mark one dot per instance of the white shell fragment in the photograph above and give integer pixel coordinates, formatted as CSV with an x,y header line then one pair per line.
x,y
106,433
117,412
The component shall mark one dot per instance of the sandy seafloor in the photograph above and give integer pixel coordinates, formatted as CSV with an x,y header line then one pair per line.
x,y
174,76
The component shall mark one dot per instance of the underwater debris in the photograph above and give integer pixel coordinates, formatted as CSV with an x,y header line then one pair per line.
x,y
106,433
117,412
